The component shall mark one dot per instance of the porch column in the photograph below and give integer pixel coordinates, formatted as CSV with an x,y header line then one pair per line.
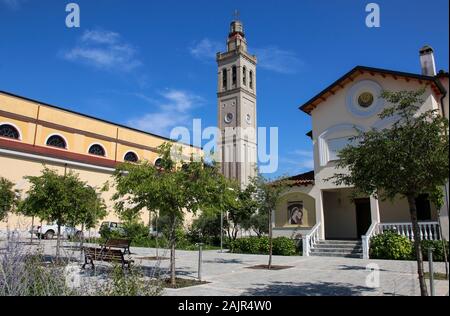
x,y
444,218
320,218
374,210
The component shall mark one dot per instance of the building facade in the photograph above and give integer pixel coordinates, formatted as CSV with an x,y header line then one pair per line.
x,y
327,211
237,121
34,134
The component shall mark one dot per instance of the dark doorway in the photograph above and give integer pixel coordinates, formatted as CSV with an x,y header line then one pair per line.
x,y
363,216
423,208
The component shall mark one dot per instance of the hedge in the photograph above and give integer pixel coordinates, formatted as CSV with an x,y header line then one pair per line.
x,y
282,246
392,246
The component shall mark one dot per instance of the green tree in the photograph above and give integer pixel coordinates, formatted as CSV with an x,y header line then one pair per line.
x,y
62,199
258,223
239,206
8,197
88,206
267,195
409,159
173,189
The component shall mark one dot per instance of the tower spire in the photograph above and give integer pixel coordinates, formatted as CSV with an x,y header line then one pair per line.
x,y
236,38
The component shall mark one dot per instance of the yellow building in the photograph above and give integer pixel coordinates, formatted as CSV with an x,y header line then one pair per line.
x,y
33,133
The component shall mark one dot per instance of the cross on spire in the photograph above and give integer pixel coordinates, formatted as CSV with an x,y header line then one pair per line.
x,y
236,15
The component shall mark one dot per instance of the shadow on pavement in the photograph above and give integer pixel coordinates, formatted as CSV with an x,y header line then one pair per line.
x,y
308,289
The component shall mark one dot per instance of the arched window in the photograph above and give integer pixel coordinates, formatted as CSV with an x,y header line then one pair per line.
x,y
224,79
251,79
97,150
244,76
234,75
9,131
158,163
56,141
131,157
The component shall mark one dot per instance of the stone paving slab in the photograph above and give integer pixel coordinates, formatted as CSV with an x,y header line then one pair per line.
x,y
229,275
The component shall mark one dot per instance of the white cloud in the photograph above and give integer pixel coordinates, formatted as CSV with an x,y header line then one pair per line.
x,y
206,49
102,37
298,161
303,153
12,4
278,60
104,50
173,110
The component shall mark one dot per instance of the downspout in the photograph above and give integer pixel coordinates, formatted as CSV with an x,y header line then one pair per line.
x,y
444,95
446,135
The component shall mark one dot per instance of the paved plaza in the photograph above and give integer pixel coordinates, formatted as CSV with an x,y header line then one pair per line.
x,y
229,274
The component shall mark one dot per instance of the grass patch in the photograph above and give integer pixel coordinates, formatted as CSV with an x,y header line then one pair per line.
x,y
437,276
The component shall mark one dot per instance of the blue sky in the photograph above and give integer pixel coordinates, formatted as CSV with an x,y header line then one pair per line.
x,y
150,64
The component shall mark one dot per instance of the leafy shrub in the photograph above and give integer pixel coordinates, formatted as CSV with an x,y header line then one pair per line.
x,y
205,229
283,246
129,284
248,245
135,230
391,246
108,233
438,252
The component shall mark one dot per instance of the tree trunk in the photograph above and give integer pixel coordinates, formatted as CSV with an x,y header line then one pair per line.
x,y
150,226
269,266
32,229
82,242
157,237
417,244
172,254
58,239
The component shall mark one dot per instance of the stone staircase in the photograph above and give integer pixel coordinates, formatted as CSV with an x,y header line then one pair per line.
x,y
338,248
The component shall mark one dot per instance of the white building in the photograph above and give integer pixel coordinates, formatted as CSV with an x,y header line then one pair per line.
x,y
327,213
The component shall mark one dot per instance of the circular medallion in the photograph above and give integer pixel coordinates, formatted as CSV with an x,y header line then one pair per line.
x,y
365,99
248,118
229,118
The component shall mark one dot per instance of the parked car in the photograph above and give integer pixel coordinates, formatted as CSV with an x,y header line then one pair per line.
x,y
112,227
49,231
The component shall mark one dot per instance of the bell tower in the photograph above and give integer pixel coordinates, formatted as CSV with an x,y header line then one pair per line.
x,y
237,121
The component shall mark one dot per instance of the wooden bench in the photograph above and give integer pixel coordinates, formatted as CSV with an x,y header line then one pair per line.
x,y
105,255
118,243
